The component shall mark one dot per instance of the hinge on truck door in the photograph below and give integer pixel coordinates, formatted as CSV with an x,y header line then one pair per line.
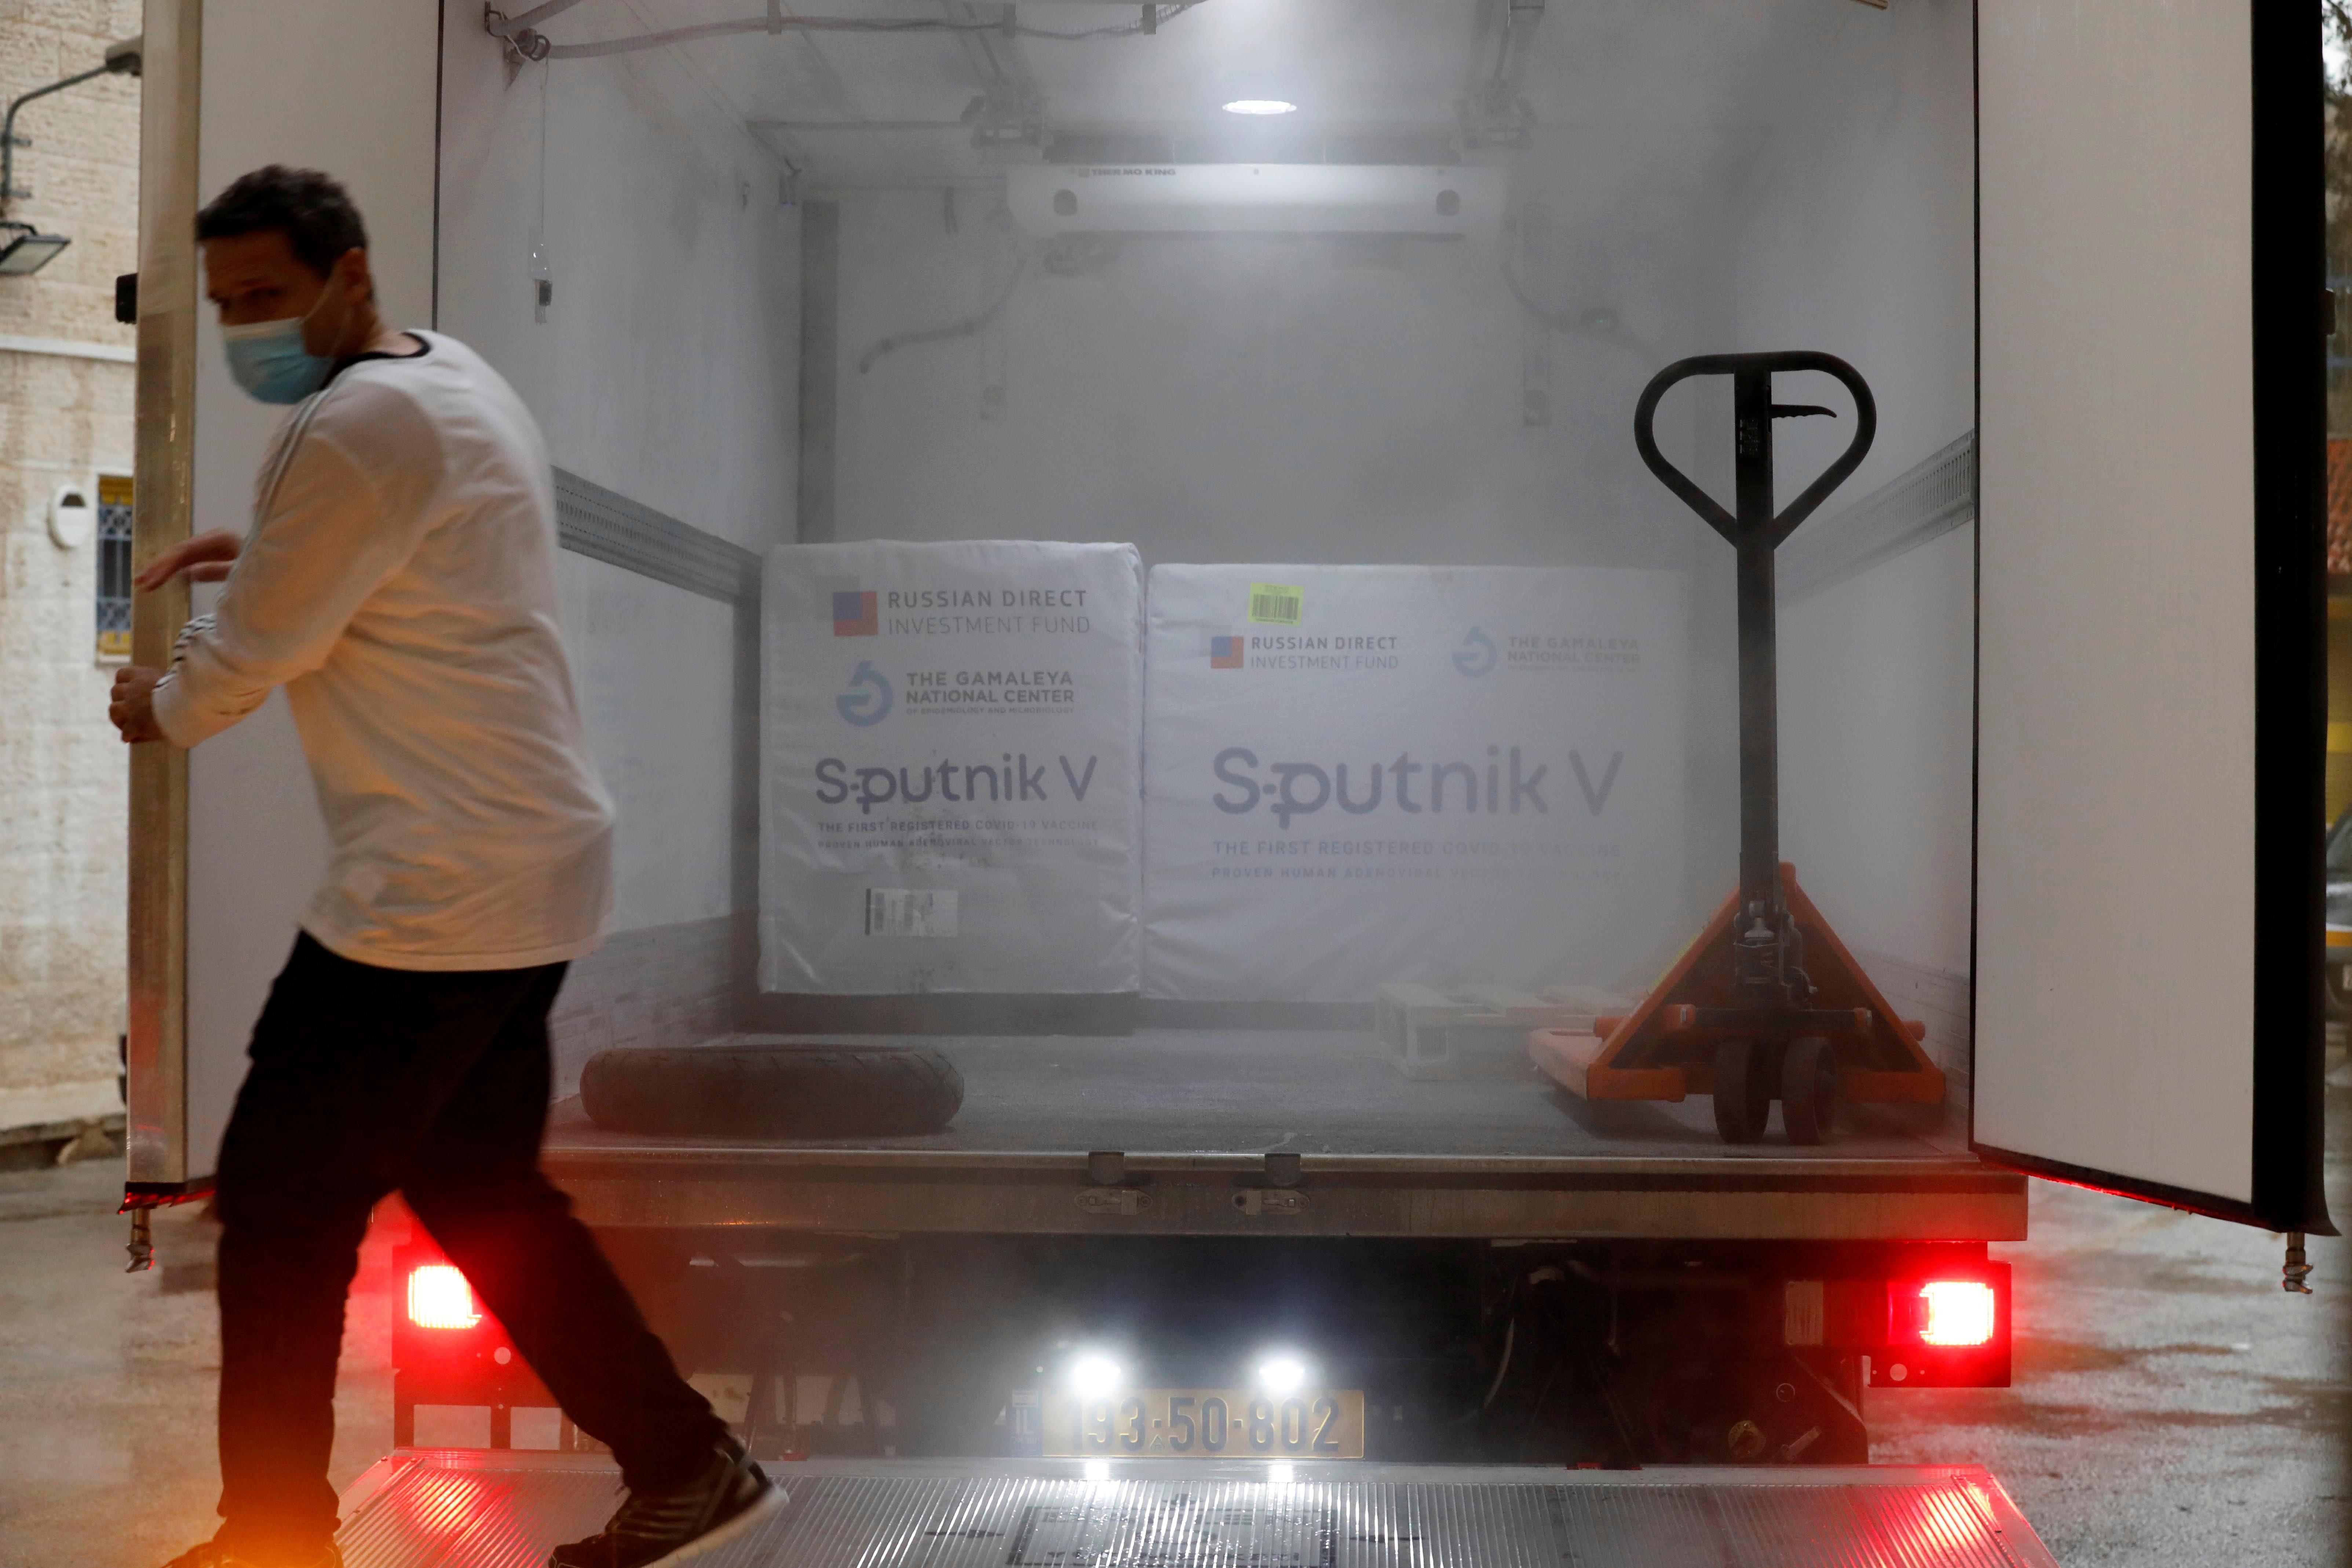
x,y
142,1243
2294,1275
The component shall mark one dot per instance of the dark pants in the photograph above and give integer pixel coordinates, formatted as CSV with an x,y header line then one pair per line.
x,y
366,1081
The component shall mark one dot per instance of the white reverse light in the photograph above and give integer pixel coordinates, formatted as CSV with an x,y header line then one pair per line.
x,y
1282,1375
1098,1471
1261,106
1096,1376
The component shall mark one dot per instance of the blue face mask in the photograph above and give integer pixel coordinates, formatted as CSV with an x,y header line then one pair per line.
x,y
269,361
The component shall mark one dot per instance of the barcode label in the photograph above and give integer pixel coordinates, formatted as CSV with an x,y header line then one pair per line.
x,y
1276,604
910,912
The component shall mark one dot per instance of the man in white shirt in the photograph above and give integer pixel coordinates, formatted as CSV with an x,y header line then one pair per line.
x,y
399,582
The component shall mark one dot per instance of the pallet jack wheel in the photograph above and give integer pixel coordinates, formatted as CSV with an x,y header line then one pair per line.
x,y
1743,1089
1809,1089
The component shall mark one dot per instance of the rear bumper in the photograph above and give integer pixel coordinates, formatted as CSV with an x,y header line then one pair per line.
x,y
1710,1197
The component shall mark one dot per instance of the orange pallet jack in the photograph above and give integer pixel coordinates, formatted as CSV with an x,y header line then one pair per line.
x,y
1740,1017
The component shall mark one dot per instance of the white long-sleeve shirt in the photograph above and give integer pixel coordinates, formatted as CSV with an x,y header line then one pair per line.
x,y
399,582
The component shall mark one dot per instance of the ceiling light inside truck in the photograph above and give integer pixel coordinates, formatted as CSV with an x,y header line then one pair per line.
x,y
1261,106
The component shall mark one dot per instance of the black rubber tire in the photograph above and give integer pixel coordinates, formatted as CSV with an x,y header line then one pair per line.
x,y
1809,1089
1743,1089
773,1089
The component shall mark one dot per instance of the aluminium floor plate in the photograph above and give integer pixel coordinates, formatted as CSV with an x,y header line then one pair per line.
x,y
440,1509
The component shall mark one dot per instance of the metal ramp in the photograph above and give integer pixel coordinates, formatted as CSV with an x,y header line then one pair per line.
x,y
442,1508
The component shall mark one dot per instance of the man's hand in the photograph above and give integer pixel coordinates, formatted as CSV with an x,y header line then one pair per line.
x,y
204,557
132,708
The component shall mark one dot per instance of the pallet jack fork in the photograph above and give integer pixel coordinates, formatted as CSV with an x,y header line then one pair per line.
x,y
1740,1016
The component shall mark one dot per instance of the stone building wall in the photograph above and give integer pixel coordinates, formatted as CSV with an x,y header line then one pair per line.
x,y
66,399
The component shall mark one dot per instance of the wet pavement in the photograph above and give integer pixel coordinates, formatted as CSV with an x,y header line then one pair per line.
x,y
106,1378
2172,1407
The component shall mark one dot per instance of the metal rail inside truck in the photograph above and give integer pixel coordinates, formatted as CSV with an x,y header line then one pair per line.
x,y
1384,765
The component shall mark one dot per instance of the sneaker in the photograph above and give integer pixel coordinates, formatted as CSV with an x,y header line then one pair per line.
x,y
213,1555
655,1530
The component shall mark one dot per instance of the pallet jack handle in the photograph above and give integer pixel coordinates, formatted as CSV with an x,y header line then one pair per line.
x,y
1753,410
1767,958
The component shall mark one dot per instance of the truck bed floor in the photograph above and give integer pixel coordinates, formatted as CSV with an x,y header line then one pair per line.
x,y
1299,1092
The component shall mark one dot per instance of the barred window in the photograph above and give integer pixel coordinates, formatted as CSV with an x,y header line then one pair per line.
x,y
113,567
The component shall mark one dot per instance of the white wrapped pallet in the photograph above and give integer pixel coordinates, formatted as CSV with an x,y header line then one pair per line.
x,y
951,750
1359,774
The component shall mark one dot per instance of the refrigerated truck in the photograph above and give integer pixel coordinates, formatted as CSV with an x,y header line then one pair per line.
x,y
1197,1277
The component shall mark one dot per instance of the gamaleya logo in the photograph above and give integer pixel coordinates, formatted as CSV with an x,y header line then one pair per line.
x,y
1476,656
867,702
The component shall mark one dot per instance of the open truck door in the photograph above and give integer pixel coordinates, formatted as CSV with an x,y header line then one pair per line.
x,y
2150,673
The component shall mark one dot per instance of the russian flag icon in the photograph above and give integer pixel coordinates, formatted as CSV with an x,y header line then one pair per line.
x,y
853,615
1225,653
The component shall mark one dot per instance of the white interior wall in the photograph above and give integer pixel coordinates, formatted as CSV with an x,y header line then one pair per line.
x,y
654,668
1854,235
1216,400
665,369
1877,738
666,366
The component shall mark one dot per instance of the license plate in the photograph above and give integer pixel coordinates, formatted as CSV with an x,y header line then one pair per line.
x,y
1206,1423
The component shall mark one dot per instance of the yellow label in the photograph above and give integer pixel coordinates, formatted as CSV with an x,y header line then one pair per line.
x,y
114,489
1276,604
114,645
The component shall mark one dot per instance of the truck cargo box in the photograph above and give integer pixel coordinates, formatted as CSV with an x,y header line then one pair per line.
x,y
1699,651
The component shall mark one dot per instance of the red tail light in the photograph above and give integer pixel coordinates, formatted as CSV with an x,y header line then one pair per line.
x,y
439,1298
1952,1314
1948,1332
1920,1332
